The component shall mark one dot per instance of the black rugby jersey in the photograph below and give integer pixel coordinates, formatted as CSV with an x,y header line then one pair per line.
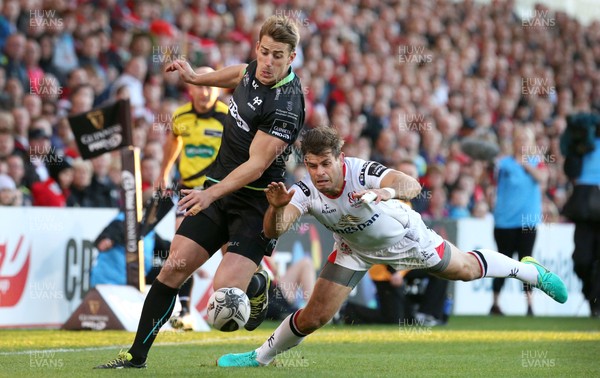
x,y
277,110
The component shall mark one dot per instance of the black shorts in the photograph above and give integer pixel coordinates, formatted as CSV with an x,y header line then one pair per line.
x,y
236,219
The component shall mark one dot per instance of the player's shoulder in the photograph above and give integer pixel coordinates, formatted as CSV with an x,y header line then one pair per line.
x,y
251,68
306,186
363,168
506,162
221,107
183,109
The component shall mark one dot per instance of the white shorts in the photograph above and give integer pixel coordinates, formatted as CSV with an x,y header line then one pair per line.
x,y
431,252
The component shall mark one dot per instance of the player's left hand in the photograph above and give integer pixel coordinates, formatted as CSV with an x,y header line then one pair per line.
x,y
382,195
186,72
194,201
278,195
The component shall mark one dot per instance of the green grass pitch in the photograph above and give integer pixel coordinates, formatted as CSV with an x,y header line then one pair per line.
x,y
467,346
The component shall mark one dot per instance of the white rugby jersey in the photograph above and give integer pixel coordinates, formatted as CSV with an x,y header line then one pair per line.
x,y
364,227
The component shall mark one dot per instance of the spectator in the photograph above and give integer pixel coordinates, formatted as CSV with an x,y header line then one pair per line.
x,y
437,208
89,56
80,194
103,192
150,172
481,210
7,141
384,147
16,170
434,179
31,60
581,146
518,208
33,103
14,89
9,195
53,191
40,154
63,57
12,59
133,77
21,125
458,205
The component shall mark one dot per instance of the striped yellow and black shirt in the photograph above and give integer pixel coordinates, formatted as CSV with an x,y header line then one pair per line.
x,y
201,135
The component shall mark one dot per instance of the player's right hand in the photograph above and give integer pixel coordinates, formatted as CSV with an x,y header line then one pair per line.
x,y
278,195
186,72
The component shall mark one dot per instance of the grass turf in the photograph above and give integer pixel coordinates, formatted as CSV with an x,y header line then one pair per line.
x,y
467,346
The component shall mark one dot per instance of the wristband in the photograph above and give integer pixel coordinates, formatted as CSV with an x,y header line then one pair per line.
x,y
391,191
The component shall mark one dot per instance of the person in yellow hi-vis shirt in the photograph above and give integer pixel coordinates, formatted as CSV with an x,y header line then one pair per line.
x,y
197,127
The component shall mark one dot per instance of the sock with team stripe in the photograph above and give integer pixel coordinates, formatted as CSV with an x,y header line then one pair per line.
x,y
495,264
157,309
286,336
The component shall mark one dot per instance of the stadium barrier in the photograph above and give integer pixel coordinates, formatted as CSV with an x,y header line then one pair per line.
x,y
46,255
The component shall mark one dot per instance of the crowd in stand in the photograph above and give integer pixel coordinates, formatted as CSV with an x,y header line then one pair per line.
x,y
402,80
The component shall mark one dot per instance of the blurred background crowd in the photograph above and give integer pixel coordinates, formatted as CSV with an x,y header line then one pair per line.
x,y
404,82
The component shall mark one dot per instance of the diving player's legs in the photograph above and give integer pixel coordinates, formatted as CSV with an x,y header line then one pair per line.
x,y
331,290
481,263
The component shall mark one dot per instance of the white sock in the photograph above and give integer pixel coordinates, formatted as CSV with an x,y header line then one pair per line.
x,y
495,264
286,336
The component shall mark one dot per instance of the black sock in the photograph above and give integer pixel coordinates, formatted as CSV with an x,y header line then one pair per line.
x,y
157,310
256,285
184,295
185,306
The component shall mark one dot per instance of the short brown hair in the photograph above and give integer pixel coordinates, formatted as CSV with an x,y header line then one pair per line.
x,y
282,30
7,123
321,140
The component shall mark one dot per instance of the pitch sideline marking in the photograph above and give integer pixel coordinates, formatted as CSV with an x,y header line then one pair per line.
x,y
92,349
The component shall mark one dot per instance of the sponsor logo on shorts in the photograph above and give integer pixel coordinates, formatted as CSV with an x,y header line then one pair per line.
x,y
345,249
427,255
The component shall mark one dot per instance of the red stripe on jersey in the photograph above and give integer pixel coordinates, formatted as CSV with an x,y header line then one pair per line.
x,y
332,256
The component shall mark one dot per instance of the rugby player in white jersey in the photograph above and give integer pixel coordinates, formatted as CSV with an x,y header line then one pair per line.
x,y
367,232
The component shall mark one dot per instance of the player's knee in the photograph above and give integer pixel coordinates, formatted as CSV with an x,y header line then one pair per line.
x,y
465,271
173,272
309,323
470,271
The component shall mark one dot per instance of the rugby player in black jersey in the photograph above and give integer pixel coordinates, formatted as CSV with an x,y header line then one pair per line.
x,y
265,116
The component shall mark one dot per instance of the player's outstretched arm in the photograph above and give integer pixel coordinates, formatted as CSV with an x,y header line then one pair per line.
x,y
395,184
281,214
404,186
228,77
